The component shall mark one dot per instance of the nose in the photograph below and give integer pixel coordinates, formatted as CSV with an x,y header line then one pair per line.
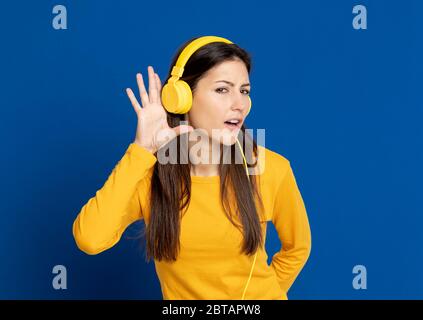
x,y
240,103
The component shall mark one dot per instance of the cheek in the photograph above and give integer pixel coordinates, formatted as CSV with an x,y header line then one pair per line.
x,y
207,111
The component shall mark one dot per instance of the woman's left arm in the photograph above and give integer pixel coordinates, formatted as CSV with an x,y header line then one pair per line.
x,y
291,222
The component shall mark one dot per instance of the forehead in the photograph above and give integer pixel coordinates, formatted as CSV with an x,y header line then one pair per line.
x,y
233,70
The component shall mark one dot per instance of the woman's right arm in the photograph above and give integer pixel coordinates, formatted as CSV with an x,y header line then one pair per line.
x,y
104,218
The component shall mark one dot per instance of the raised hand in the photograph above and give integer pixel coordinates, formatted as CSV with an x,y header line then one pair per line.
x,y
152,124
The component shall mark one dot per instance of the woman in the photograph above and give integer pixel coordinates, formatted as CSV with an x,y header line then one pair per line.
x,y
205,220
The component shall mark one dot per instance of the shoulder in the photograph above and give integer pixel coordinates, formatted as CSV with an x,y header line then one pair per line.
x,y
273,165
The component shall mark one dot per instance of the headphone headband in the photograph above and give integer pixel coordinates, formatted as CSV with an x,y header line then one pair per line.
x,y
178,68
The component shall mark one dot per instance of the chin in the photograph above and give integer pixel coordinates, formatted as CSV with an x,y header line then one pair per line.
x,y
229,139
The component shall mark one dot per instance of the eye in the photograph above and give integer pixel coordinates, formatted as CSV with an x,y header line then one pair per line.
x,y
218,90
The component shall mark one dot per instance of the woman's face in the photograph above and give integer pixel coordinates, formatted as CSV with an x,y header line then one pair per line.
x,y
221,95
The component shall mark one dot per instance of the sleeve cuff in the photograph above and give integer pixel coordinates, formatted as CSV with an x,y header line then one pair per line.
x,y
141,153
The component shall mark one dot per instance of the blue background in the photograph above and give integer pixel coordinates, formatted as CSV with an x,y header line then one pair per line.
x,y
343,105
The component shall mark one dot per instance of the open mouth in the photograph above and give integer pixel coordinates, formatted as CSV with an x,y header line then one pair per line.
x,y
233,124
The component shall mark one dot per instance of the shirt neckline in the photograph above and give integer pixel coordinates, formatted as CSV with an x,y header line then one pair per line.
x,y
205,179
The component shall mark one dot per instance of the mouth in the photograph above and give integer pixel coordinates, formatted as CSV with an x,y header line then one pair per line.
x,y
233,124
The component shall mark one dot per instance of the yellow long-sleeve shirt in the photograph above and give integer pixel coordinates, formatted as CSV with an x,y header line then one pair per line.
x,y
209,265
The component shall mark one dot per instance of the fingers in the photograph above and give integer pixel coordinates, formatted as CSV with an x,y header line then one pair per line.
x,y
152,85
159,83
143,93
153,91
133,100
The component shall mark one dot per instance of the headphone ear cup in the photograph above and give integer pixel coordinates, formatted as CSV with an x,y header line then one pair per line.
x,y
169,96
184,96
177,97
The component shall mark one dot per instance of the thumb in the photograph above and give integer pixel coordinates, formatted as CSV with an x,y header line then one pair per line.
x,y
183,129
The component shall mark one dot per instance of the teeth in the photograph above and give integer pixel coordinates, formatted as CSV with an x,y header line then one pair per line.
x,y
233,121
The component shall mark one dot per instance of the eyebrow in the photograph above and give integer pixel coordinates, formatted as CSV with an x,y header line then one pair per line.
x,y
230,83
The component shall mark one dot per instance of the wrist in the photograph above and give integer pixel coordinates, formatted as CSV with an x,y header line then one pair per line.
x,y
148,148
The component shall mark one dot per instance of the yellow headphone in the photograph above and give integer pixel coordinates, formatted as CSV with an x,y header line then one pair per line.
x,y
176,93
177,96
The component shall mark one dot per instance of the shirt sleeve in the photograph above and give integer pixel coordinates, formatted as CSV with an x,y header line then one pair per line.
x,y
292,225
102,220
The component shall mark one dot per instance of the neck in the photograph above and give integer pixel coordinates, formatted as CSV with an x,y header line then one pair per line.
x,y
205,165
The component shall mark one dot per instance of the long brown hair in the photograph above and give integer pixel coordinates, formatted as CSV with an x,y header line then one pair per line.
x,y
171,183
